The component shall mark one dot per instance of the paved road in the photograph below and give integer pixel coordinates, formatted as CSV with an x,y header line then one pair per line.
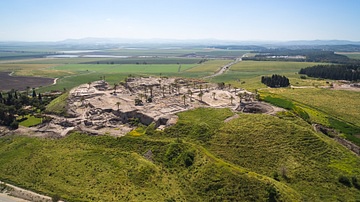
x,y
225,68
7,198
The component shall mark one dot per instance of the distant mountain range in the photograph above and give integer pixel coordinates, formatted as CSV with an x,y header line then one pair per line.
x,y
109,43
102,41
205,42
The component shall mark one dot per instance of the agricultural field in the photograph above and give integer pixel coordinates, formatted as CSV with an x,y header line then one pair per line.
x,y
75,71
209,66
247,74
352,55
8,82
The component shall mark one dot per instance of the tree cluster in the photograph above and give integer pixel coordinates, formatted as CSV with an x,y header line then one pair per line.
x,y
338,72
275,81
12,104
311,55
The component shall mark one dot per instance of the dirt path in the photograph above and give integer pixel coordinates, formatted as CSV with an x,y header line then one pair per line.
x,y
55,80
344,87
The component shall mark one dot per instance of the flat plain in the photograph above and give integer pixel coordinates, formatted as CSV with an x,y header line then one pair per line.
x,y
254,157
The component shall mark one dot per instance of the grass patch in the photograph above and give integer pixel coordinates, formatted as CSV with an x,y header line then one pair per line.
x,y
286,104
210,66
58,106
30,121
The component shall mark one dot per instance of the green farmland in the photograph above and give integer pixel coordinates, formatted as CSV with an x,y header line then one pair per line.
x,y
210,154
352,55
247,74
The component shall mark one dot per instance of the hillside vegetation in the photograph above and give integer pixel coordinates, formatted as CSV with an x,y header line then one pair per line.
x,y
201,158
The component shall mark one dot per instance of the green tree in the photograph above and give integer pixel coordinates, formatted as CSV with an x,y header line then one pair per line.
x,y
118,105
184,98
34,93
115,87
151,91
240,95
231,99
191,94
200,95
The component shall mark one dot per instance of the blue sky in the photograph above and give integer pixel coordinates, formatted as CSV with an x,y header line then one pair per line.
x,y
243,20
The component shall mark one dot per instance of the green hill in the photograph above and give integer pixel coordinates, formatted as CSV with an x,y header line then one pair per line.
x,y
201,158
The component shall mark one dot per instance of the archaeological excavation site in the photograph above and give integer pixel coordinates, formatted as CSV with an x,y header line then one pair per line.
x,y
100,108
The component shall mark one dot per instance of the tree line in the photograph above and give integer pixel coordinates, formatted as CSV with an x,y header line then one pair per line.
x,y
14,104
311,55
275,81
348,72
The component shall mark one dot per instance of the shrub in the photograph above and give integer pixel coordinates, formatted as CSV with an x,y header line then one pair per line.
x,y
177,155
276,176
189,157
173,152
355,183
345,181
14,125
55,198
273,194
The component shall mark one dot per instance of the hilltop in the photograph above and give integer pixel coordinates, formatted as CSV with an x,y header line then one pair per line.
x,y
178,146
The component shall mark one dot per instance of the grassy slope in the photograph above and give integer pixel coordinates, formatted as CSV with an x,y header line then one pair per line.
x,y
303,159
58,105
338,103
84,168
311,162
199,159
